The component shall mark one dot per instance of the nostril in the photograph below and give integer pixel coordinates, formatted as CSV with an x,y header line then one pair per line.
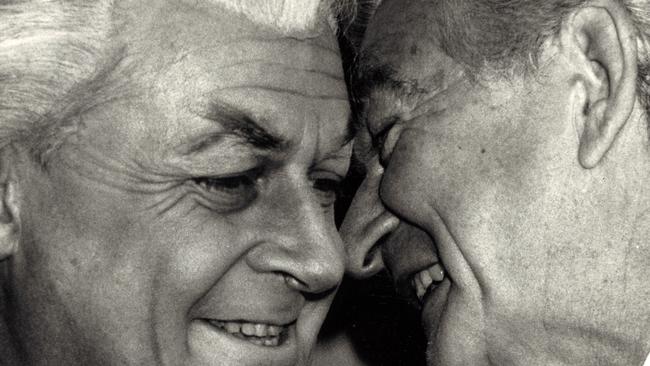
x,y
370,265
312,293
295,283
370,258
374,254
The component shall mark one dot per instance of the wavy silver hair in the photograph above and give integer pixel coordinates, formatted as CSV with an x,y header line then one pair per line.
x,y
55,53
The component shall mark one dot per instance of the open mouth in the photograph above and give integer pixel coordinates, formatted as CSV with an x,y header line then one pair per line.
x,y
261,334
425,281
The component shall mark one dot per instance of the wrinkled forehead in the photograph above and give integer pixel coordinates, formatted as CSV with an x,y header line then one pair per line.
x,y
300,18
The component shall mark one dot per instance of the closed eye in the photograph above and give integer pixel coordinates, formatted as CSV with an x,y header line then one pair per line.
x,y
327,188
230,192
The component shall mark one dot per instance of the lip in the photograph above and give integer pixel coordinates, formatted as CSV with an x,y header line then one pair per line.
x,y
412,248
433,306
218,347
408,250
259,333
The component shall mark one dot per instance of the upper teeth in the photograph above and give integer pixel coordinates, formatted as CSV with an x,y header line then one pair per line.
x,y
258,333
424,279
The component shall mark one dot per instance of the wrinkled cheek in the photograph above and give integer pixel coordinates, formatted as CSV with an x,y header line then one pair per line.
x,y
458,337
415,176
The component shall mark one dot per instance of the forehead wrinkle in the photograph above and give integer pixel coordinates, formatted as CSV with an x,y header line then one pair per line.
x,y
289,67
252,67
285,91
300,19
245,46
301,54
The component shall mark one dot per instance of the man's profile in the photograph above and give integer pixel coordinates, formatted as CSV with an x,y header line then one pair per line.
x,y
167,175
510,193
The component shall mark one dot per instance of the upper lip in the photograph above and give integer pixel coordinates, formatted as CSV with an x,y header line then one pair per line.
x,y
279,320
251,308
274,323
408,251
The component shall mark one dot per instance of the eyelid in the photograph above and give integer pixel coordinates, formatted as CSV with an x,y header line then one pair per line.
x,y
216,193
332,191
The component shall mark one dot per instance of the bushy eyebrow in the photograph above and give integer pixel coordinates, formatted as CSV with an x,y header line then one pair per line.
x,y
234,122
242,125
370,74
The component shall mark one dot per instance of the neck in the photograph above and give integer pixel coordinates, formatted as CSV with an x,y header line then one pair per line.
x,y
630,173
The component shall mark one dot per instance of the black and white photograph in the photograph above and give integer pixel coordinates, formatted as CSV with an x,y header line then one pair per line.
x,y
325,183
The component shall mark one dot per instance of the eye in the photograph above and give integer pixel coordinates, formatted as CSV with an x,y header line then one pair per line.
x,y
231,192
327,188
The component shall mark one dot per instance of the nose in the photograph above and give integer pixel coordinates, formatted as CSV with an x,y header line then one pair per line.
x,y
299,241
366,223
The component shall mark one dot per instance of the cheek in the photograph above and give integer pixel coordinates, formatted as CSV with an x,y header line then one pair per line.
x,y
431,171
198,254
95,246
465,175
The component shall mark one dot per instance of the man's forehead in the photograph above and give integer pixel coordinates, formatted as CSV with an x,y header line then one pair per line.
x,y
300,18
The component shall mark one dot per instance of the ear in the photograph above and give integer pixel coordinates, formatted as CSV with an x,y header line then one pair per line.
x,y
601,40
9,219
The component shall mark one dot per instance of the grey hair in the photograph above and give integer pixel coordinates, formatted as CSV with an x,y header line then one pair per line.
x,y
54,55
503,35
49,52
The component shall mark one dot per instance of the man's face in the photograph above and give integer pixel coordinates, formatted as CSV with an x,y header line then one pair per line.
x,y
189,220
485,180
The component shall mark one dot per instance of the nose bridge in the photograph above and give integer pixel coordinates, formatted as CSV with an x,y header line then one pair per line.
x,y
300,241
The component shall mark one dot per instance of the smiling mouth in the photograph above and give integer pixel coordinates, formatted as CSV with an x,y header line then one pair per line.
x,y
261,334
425,281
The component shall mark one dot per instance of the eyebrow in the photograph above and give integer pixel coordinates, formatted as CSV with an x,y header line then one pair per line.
x,y
369,74
241,124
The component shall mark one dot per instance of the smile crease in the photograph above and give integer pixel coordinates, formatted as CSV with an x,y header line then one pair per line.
x,y
257,333
427,279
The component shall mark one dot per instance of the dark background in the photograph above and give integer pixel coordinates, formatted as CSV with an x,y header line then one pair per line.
x,y
383,329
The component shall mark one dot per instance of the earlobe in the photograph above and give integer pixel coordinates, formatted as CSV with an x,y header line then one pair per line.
x,y
604,40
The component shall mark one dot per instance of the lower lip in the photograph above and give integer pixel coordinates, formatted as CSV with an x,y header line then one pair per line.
x,y
218,347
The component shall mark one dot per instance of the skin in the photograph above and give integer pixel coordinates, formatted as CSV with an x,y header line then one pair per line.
x,y
531,191
114,255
